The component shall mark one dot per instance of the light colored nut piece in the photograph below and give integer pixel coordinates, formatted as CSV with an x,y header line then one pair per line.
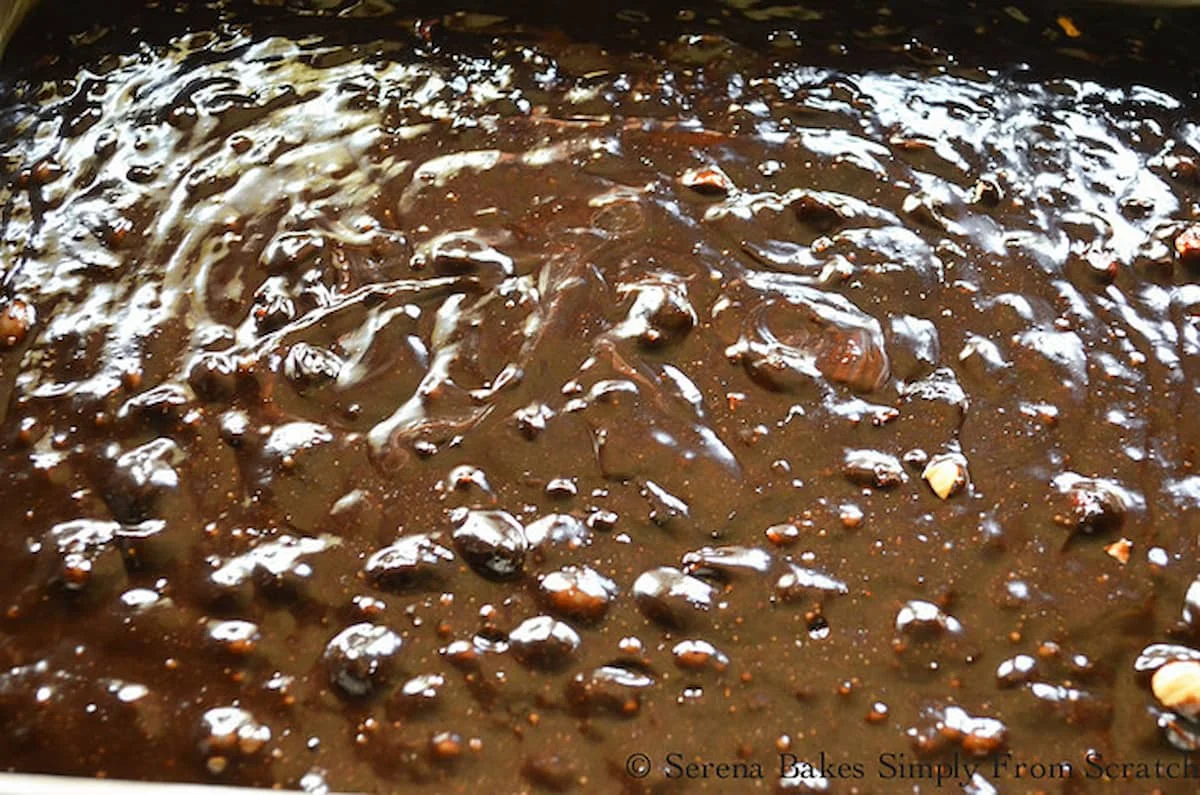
x,y
1119,550
946,474
1177,687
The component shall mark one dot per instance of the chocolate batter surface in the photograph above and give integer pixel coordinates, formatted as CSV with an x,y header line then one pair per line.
x,y
401,396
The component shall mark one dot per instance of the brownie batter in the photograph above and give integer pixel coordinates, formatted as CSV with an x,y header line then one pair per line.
x,y
540,398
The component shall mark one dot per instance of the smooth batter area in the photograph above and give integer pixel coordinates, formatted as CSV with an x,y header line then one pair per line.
x,y
396,398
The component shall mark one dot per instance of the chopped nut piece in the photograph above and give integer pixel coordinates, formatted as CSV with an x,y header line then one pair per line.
x,y
1177,687
1069,27
941,727
1120,550
873,469
946,474
1187,244
708,180
16,318
1090,505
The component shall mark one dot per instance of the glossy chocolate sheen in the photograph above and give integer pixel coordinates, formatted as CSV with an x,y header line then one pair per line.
x,y
396,396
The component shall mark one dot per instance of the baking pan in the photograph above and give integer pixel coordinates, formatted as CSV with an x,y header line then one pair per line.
x,y
761,352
